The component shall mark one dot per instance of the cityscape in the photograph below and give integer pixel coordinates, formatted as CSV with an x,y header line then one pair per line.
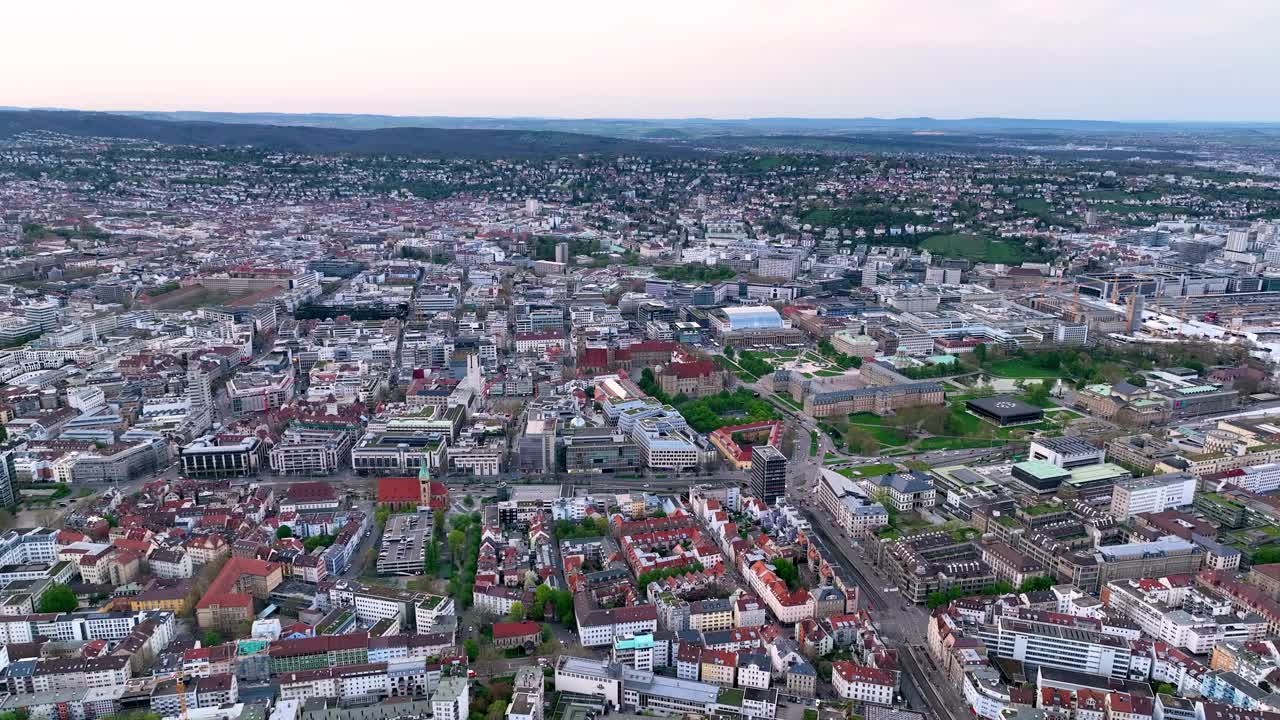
x,y
404,415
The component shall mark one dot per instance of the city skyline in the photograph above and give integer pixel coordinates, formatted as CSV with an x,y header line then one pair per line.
x,y
1093,60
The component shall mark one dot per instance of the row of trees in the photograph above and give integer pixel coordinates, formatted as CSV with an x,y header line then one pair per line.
x,y
663,573
464,550
431,564
939,599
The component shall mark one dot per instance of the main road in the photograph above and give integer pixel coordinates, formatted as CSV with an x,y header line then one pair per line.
x,y
902,625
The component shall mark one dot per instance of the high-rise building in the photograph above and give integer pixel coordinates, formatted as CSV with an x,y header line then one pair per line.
x,y
8,476
1238,241
43,314
768,473
870,273
199,397
562,253
1133,314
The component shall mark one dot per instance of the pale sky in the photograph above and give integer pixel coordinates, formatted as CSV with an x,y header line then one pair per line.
x,y
1089,59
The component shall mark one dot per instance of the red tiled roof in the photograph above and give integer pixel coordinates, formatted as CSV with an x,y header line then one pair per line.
x,y
852,672
516,629
399,490
310,491
695,369
221,590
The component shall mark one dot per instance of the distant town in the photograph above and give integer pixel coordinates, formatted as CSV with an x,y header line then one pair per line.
x,y
903,426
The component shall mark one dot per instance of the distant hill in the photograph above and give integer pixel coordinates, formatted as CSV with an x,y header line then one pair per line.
x,y
692,127
413,141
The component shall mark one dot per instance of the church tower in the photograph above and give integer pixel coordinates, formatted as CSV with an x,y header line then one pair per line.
x,y
424,481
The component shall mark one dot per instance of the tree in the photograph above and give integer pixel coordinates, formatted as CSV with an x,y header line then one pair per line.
x,y
284,531
212,637
517,612
456,540
468,501
1038,393
787,572
1036,583
472,648
58,598
860,441
318,541
980,354
542,595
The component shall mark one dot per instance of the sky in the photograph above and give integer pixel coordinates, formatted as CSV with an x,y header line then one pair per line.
x,y
1082,59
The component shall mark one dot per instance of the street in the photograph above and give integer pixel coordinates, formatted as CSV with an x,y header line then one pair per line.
x,y
901,625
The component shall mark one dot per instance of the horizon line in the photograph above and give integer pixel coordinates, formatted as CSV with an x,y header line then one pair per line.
x,y
684,118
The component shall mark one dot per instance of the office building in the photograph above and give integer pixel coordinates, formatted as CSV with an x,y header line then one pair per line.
x,y
768,473
1153,494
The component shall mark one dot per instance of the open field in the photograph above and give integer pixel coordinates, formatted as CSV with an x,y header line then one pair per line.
x,y
974,247
1015,368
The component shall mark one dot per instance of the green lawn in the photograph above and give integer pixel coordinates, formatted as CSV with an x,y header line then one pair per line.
x,y
1033,205
950,443
869,470
873,424
974,247
963,421
828,373
889,437
1015,368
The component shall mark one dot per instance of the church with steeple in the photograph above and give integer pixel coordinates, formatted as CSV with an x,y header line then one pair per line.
x,y
422,490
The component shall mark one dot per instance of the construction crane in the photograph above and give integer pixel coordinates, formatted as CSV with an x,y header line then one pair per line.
x,y
182,695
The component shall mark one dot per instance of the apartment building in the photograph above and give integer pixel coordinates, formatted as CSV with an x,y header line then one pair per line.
x,y
849,505
1179,614
170,563
786,605
598,627
451,700
710,615
860,683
